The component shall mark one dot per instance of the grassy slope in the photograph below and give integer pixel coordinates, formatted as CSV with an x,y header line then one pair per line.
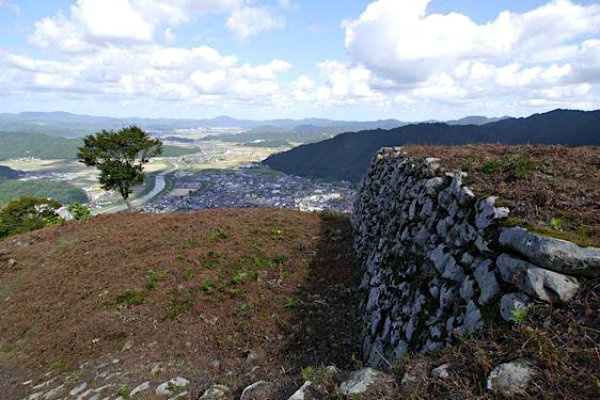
x,y
210,286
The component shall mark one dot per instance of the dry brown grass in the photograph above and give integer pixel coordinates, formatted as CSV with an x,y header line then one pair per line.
x,y
554,190
187,290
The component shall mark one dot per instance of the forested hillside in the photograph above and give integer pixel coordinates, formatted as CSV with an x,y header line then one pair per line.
x,y
347,156
63,192
38,145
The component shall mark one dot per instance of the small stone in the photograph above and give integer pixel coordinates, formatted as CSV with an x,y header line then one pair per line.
x,y
433,185
487,282
473,319
216,392
360,381
465,196
512,303
180,396
78,389
142,387
54,393
467,259
299,394
487,213
441,372
454,272
510,379
127,346
467,289
257,391
442,260
456,183
11,263
172,386
431,166
447,296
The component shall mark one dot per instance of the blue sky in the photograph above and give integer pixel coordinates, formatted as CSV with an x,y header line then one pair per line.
x,y
405,59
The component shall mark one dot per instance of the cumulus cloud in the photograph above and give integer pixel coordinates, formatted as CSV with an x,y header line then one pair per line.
x,y
251,21
452,57
196,75
94,23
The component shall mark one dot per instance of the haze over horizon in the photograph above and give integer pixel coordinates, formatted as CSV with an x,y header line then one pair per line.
x,y
353,60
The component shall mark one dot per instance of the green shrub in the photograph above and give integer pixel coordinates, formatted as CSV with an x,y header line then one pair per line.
x,y
79,211
28,213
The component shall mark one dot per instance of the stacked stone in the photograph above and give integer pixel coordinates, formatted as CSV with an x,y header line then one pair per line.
x,y
434,262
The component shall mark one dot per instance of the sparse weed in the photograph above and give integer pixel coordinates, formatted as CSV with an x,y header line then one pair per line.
x,y
217,234
189,243
240,277
174,388
492,166
125,392
291,302
519,315
58,364
131,297
187,274
153,276
209,260
557,224
208,285
276,235
236,292
524,166
469,164
177,307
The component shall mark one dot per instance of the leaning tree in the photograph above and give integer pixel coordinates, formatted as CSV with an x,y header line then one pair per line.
x,y
120,157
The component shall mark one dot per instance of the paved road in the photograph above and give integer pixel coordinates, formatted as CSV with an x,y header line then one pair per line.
x,y
159,186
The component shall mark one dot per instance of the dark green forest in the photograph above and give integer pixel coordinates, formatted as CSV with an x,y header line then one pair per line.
x,y
347,156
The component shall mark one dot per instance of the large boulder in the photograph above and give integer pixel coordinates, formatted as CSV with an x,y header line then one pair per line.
x,y
540,283
554,254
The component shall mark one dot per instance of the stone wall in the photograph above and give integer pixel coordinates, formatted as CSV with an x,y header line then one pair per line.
x,y
437,262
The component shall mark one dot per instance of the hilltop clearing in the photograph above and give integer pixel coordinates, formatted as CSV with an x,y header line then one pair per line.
x,y
225,296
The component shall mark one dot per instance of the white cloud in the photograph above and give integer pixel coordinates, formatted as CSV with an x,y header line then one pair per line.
x,y
251,21
415,54
197,74
95,23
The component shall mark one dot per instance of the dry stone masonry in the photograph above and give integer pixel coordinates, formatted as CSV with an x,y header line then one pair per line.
x,y
438,263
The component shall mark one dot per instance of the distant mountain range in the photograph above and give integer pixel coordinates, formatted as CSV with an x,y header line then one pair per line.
x,y
346,156
67,125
